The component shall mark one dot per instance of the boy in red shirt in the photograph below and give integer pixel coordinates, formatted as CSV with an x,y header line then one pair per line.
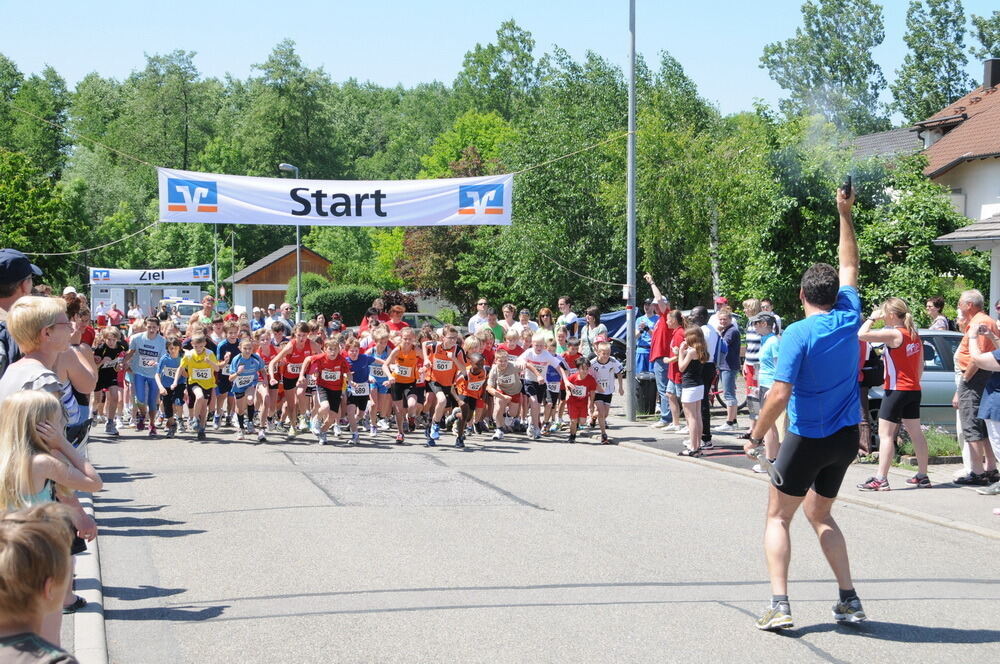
x,y
469,393
580,389
330,369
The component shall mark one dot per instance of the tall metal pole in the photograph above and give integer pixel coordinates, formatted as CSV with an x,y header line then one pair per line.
x,y
288,168
630,213
215,259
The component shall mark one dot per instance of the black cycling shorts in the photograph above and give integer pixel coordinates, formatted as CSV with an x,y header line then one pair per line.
x,y
195,391
222,384
816,463
168,399
420,392
331,397
899,405
445,391
290,383
535,390
606,398
359,402
400,391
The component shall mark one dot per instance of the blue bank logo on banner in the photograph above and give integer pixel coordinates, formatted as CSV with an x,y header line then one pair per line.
x,y
202,273
480,199
100,275
192,195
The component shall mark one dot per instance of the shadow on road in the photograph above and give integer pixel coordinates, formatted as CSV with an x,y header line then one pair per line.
x,y
142,592
901,632
180,614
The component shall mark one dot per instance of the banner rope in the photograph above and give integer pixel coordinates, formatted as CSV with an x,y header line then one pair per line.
x,y
83,251
584,149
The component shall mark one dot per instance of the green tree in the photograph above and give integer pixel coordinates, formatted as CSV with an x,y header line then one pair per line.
x,y
933,72
828,66
46,99
502,76
486,132
988,34
10,80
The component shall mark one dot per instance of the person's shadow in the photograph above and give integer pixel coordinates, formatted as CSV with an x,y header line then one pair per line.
x,y
900,632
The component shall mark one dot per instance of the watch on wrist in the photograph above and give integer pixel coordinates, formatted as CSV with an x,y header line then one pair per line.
x,y
756,441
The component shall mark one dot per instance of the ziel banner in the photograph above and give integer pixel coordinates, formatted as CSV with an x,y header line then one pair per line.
x,y
180,275
190,197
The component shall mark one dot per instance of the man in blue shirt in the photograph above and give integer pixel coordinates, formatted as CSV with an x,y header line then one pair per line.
x,y
817,380
644,338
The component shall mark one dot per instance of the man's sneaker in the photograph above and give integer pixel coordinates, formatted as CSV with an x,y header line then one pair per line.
x,y
110,429
533,433
707,444
171,430
920,482
972,479
373,431
991,490
658,424
323,438
435,431
383,425
399,438
758,469
140,424
240,435
572,438
460,441
431,443
776,617
498,435
849,611
874,484
261,436
200,435
992,475
725,427
671,427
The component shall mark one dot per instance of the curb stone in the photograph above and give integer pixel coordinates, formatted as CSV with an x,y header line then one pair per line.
x,y
856,500
90,644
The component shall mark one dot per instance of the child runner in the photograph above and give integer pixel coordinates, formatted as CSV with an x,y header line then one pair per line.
x,y
109,356
267,389
570,356
444,362
229,348
244,372
330,369
166,372
358,388
555,392
580,390
199,366
504,385
469,391
403,362
605,369
380,376
293,354
535,362
145,351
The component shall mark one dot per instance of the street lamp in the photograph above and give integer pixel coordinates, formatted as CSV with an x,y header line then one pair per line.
x,y
288,168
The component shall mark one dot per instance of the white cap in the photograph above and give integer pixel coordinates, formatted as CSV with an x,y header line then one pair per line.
x,y
68,290
271,306
256,309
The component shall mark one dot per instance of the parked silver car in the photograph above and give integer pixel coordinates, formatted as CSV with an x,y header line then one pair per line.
x,y
937,385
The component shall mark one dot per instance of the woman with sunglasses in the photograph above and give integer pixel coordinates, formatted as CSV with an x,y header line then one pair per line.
x,y
547,324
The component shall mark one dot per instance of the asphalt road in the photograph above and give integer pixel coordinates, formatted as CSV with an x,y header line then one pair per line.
x,y
506,552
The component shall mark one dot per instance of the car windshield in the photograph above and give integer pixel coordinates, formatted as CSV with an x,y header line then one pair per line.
x,y
185,310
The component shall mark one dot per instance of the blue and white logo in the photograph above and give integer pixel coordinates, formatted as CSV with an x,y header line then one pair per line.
x,y
480,199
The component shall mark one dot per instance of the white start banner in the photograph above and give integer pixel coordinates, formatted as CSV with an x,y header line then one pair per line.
x,y
190,197
180,275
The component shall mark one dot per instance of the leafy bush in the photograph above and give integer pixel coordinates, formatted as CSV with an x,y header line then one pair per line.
x,y
311,282
394,297
350,301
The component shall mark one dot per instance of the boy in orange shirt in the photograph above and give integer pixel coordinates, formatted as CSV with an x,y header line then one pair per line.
x,y
469,393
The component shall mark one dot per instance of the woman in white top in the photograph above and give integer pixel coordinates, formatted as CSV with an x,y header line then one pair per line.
x,y
590,332
934,307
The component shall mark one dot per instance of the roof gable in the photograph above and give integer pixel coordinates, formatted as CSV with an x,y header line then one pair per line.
x,y
270,259
976,137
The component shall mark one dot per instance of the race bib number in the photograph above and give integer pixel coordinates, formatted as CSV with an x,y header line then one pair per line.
x,y
443,365
378,371
170,372
507,380
404,371
243,381
311,380
330,376
148,362
295,368
604,386
203,374
553,387
475,386
578,391
360,389
226,370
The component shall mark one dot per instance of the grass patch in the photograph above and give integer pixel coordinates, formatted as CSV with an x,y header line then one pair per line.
x,y
939,443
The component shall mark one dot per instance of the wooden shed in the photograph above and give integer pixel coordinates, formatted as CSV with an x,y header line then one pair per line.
x,y
266,281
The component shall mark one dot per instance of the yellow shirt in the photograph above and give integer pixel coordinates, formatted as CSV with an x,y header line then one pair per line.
x,y
199,371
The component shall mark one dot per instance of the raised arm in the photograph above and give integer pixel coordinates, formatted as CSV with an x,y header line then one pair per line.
x,y
848,247
658,300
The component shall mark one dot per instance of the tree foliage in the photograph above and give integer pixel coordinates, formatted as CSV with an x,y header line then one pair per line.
x,y
988,35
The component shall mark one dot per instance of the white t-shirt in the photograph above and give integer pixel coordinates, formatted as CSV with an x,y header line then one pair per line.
x,y
567,319
135,312
476,322
605,374
541,361
713,341
519,327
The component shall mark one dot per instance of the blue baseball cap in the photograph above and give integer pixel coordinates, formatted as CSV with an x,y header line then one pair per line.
x,y
15,267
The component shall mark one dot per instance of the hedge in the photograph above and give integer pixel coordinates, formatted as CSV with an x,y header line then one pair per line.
x,y
351,301
311,282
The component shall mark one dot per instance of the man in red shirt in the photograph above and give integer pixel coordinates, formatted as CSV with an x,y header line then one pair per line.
x,y
659,350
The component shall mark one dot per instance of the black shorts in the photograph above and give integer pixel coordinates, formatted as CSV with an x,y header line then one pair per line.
x,y
289,383
420,392
443,390
222,384
816,463
331,397
359,402
195,391
535,390
106,379
553,397
606,398
899,405
402,390
470,402
168,399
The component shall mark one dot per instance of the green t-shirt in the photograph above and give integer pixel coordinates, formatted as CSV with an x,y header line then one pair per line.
x,y
498,332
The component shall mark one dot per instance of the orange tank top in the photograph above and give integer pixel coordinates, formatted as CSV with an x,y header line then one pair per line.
x,y
472,385
902,364
444,365
406,366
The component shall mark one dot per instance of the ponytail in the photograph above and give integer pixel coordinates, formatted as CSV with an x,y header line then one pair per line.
x,y
908,324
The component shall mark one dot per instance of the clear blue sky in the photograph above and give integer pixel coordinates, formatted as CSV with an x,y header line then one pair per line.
x,y
388,42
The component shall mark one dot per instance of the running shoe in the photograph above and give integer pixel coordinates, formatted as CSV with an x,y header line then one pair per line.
x,y
972,479
554,427
336,430
992,475
322,437
435,431
200,435
604,439
314,425
399,439
920,482
707,445
592,423
431,443
849,611
534,434
240,435
411,423
572,438
383,425
355,438
261,436
725,427
758,469
291,434
658,424
498,435
171,430
110,429
776,617
216,423
303,424
140,424
671,427
152,431
373,431
874,484
683,431
991,490
250,428
228,422
460,441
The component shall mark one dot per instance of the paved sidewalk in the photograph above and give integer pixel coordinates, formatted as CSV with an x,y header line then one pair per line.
x,y
509,551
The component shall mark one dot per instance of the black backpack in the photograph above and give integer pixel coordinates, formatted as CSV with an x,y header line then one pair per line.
x,y
952,325
873,371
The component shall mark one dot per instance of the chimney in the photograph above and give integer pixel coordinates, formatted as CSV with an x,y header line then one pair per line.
x,y
991,73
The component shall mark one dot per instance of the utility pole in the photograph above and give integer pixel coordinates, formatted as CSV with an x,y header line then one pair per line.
x,y
630,213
